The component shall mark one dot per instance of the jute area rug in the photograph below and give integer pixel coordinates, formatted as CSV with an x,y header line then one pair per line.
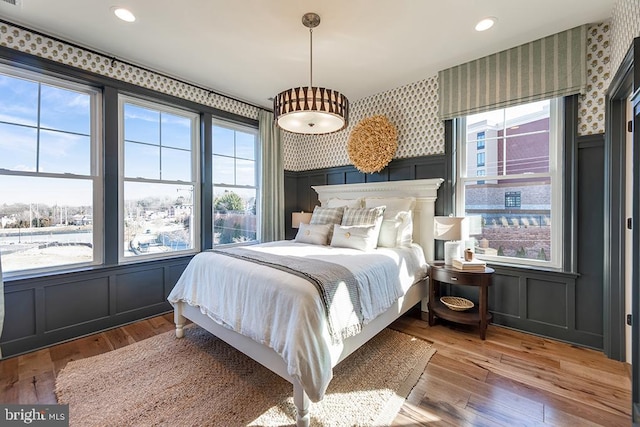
x,y
201,381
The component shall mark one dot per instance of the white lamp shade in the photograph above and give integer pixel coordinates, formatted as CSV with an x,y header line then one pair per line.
x,y
298,218
448,228
452,229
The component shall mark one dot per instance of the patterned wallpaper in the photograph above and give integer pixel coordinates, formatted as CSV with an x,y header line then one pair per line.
x,y
413,109
591,105
625,26
43,46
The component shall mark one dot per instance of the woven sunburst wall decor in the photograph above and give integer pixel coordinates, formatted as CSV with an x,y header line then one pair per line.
x,y
372,144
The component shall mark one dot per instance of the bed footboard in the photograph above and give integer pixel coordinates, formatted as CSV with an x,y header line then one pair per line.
x,y
258,352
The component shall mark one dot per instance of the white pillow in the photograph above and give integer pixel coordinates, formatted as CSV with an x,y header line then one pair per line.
x,y
405,231
396,231
364,216
347,203
393,204
316,234
362,237
388,237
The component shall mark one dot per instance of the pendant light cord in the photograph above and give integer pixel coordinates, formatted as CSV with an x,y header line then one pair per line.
x,y
310,57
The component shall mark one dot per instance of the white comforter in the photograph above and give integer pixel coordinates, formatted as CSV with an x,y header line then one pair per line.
x,y
284,311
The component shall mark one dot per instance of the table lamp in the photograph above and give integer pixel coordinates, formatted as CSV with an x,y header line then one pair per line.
x,y
298,218
450,229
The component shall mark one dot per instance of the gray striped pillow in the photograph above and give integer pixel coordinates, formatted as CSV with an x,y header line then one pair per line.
x,y
327,216
363,216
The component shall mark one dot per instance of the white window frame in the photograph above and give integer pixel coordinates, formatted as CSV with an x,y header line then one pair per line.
x,y
556,132
96,174
195,176
257,180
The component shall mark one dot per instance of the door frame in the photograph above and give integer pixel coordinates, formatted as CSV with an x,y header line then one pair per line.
x,y
619,91
625,84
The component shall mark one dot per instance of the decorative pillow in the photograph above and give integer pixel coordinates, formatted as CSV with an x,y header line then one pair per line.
x,y
362,237
315,234
393,205
346,203
363,216
388,237
396,231
323,215
405,231
327,216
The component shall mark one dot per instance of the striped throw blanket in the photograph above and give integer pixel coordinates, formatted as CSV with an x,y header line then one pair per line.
x,y
326,276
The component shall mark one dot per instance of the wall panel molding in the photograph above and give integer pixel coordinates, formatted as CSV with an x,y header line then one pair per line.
x,y
562,305
299,196
48,310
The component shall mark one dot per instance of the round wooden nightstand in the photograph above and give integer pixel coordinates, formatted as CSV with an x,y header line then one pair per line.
x,y
479,314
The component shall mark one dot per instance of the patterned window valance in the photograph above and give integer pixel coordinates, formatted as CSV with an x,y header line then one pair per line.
x,y
546,68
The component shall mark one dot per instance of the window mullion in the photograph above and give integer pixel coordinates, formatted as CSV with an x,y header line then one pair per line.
x,y
160,145
38,128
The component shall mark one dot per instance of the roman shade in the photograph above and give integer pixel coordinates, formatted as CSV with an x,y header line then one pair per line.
x,y
546,68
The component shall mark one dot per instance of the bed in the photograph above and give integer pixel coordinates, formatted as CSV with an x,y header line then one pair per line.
x,y
302,337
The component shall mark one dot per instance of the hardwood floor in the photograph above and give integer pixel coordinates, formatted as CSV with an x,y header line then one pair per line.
x,y
510,379
513,378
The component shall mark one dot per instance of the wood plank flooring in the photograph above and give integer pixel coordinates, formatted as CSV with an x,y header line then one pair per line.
x,y
510,379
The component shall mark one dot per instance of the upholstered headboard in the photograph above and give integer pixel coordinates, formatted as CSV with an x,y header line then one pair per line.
x,y
425,192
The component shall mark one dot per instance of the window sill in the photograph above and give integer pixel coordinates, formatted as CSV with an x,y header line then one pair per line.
x,y
506,267
15,279
235,245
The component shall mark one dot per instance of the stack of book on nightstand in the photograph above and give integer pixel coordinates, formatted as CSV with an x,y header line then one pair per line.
x,y
473,265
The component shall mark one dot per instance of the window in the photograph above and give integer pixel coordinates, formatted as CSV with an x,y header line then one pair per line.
x,y
481,172
480,141
159,185
480,159
50,175
235,184
512,199
516,207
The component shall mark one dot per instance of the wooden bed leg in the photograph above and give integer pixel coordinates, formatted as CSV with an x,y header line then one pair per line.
x,y
301,400
179,320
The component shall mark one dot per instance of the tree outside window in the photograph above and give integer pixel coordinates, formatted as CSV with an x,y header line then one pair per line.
x,y
235,184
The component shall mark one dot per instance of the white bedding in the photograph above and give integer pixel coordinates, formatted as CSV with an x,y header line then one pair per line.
x,y
284,311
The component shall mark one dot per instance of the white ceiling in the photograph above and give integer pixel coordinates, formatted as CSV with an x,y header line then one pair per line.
x,y
254,49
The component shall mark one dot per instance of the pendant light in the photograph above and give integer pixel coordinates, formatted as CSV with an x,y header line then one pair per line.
x,y
310,109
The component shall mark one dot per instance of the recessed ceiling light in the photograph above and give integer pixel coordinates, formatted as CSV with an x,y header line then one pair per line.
x,y
486,23
124,14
